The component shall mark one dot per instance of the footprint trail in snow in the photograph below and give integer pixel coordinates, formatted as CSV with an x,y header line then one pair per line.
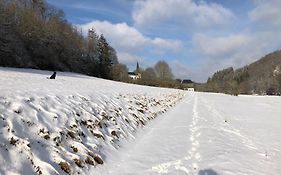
x,y
203,134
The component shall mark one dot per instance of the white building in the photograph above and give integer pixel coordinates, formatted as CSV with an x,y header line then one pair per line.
x,y
134,76
190,89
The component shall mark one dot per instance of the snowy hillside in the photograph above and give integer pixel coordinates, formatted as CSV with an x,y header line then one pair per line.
x,y
71,124
206,134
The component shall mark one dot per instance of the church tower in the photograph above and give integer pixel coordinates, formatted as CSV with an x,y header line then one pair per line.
x,y
137,68
136,74
138,71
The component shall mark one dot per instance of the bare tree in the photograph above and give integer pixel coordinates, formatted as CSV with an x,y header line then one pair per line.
x,y
120,72
163,71
148,77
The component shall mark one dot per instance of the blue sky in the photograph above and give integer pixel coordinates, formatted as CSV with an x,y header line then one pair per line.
x,y
196,37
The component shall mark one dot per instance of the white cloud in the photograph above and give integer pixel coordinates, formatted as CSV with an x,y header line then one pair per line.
x,y
162,44
122,37
183,71
261,36
128,39
127,58
220,47
234,50
131,60
186,13
267,14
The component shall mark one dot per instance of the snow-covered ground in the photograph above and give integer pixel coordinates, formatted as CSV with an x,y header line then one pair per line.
x,y
206,134
77,122
70,124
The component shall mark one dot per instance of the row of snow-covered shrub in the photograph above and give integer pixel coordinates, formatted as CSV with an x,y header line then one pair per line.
x,y
68,134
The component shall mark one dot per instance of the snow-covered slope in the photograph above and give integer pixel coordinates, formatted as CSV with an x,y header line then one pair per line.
x,y
71,124
206,134
74,123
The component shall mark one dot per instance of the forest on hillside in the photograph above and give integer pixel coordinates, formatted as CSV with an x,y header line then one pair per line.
x,y
260,77
35,34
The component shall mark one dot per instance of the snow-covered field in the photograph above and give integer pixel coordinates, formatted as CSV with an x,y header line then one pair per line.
x,y
206,134
70,124
75,123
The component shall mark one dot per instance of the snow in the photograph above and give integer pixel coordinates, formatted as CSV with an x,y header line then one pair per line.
x,y
71,122
45,124
206,134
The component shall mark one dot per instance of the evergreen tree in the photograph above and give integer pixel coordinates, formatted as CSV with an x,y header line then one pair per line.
x,y
104,60
92,44
113,55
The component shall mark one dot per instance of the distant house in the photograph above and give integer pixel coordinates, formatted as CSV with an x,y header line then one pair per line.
x,y
187,85
186,82
136,74
190,89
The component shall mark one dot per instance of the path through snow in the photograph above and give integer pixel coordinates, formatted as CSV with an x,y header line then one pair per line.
x,y
206,134
63,126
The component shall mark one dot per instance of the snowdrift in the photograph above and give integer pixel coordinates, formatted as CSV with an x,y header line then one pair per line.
x,y
63,126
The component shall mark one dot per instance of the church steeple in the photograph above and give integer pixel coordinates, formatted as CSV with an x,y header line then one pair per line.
x,y
136,74
138,68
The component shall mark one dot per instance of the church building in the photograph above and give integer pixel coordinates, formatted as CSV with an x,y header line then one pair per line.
x,y
136,74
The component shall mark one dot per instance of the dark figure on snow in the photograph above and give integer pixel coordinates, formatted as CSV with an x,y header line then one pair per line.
x,y
53,76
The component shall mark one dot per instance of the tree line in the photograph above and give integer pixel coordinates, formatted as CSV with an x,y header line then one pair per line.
x,y
245,81
35,34
160,75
